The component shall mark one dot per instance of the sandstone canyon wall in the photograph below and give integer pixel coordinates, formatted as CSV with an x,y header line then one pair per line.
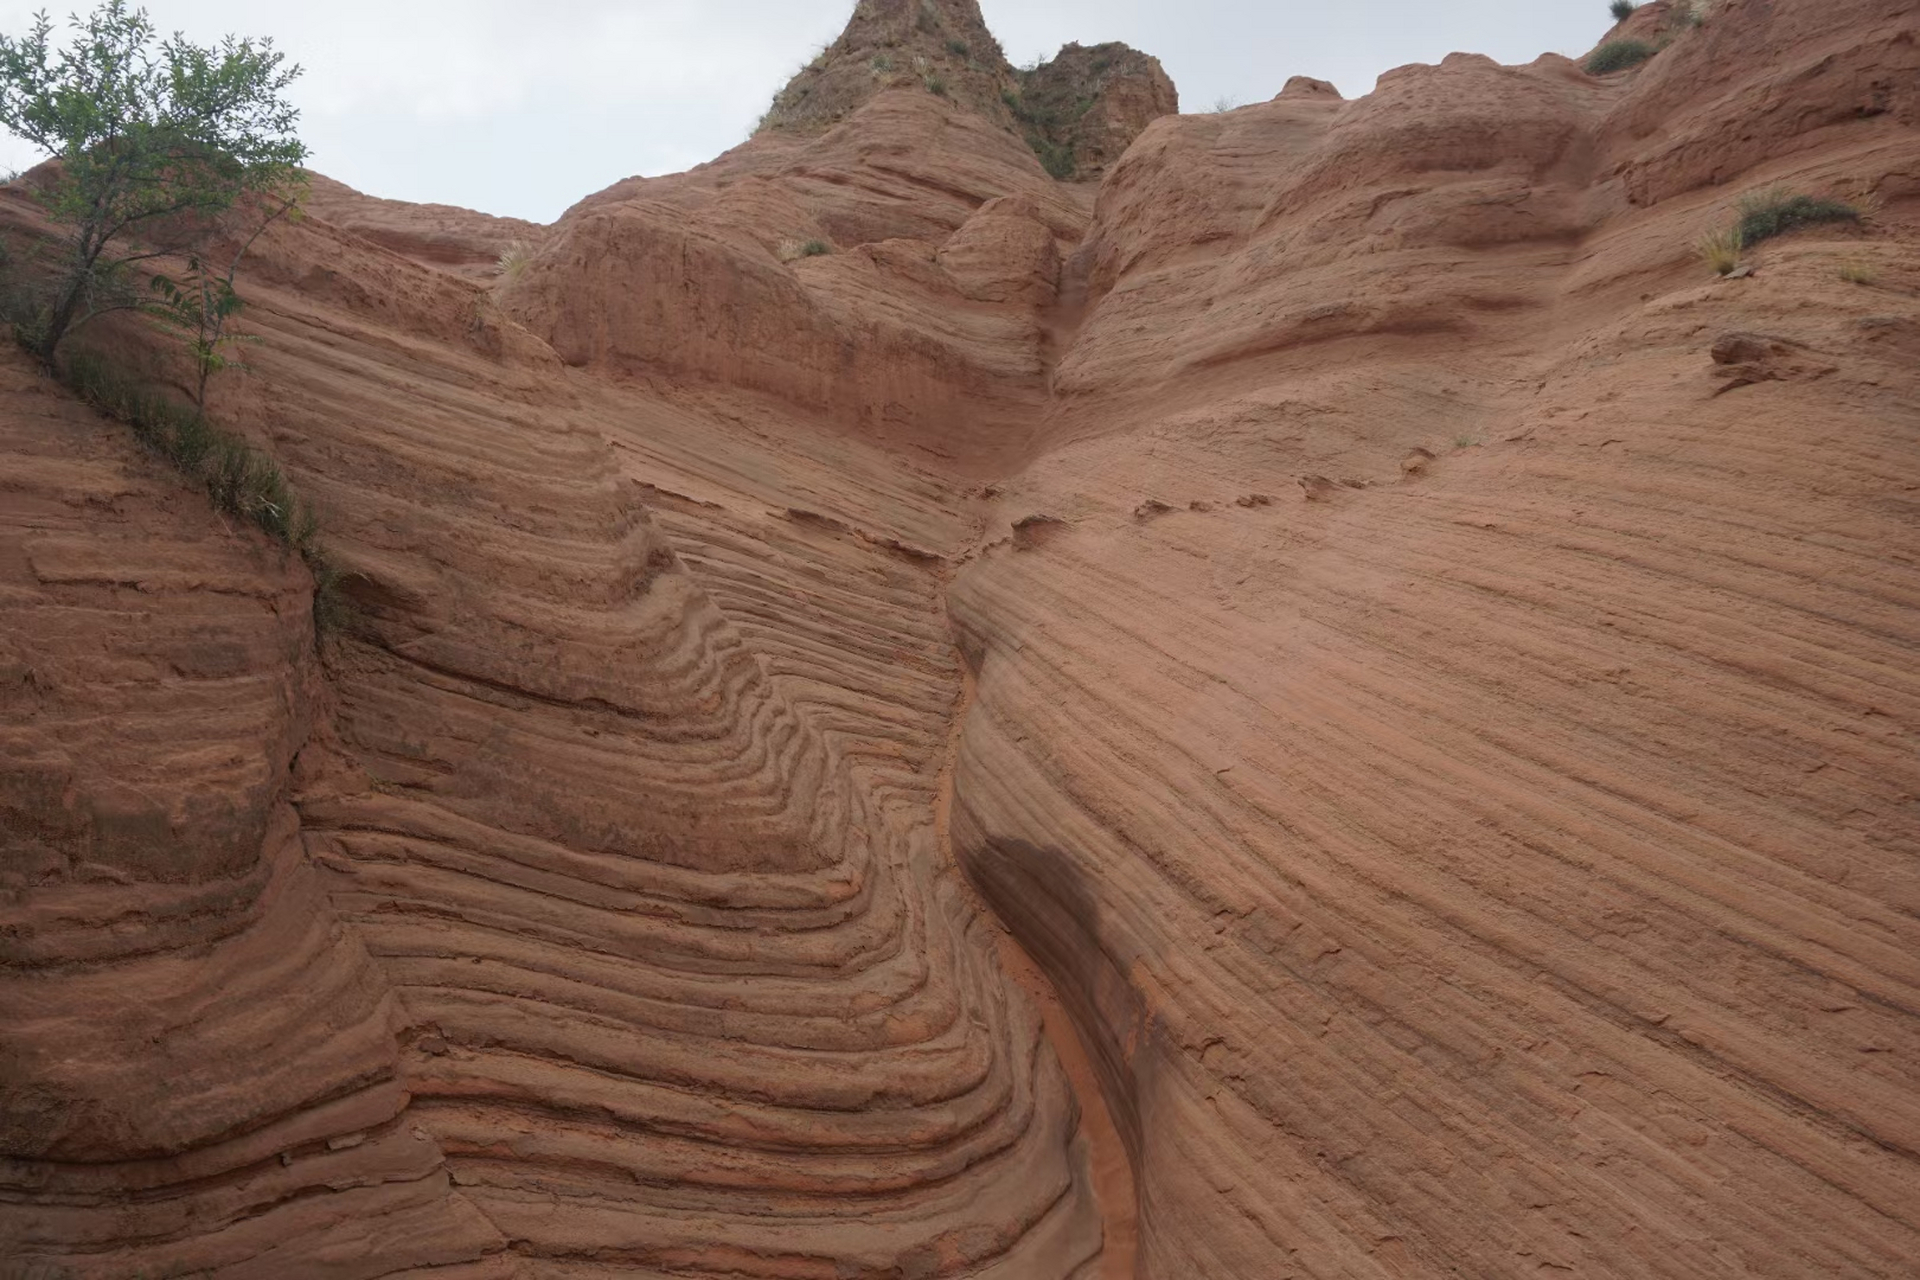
x,y
1330,706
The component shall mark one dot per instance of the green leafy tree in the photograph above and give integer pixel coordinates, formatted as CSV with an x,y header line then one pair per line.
x,y
201,305
155,138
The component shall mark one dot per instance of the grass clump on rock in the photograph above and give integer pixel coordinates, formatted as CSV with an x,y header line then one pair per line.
x,y
793,250
1720,250
1775,211
514,259
1618,55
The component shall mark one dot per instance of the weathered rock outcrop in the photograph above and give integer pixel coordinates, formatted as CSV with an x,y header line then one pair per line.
x,y
1082,110
1077,112
1450,749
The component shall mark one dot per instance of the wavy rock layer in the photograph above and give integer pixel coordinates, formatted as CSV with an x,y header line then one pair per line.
x,y
1446,701
1426,672
612,835
200,1068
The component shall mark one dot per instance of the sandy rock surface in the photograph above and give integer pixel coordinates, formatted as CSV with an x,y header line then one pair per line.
x,y
1339,707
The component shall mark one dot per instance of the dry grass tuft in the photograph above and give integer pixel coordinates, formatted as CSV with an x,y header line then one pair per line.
x,y
1720,250
514,259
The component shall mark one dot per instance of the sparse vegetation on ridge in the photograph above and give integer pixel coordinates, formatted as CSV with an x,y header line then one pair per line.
x,y
1041,123
1622,9
238,479
1686,14
1618,55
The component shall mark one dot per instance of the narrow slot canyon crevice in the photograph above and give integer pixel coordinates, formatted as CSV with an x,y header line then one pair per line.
x,y
1007,899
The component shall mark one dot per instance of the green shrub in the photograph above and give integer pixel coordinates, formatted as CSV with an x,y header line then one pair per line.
x,y
880,63
1622,9
1775,212
1055,157
958,48
937,85
1618,55
815,249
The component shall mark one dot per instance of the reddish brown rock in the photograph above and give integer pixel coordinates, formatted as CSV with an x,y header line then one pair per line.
x,y
436,235
1497,864
1082,109
1078,111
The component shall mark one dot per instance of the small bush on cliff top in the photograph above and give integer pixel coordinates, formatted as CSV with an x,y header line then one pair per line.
x,y
1618,55
1775,212
1621,9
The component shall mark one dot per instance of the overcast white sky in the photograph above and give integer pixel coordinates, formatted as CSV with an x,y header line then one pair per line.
x,y
522,107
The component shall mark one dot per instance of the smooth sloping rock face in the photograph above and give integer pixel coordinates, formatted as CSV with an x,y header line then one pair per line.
x,y
1504,858
437,235
1425,670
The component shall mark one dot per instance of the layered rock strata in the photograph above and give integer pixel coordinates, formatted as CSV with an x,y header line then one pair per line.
x,y
1423,668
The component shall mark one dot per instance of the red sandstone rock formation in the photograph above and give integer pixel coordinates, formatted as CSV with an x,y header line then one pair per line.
x,y
436,235
1445,746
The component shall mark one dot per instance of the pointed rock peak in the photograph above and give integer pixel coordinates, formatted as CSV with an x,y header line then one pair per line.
x,y
1078,112
941,47
1083,109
